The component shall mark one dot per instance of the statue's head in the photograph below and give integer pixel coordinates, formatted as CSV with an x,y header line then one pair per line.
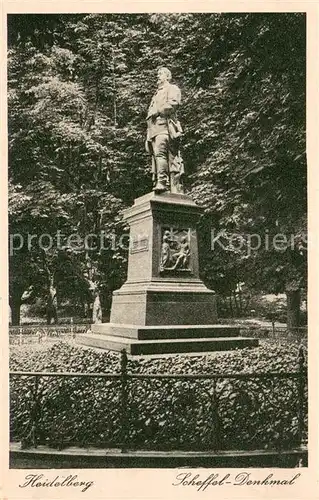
x,y
164,75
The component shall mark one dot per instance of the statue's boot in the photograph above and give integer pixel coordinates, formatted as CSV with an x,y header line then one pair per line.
x,y
160,187
162,175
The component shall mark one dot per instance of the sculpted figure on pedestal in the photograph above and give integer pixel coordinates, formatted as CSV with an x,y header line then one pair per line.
x,y
175,251
163,136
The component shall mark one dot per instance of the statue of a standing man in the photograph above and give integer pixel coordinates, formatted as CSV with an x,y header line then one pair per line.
x,y
163,135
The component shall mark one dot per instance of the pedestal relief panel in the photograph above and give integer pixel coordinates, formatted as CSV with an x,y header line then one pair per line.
x,y
175,254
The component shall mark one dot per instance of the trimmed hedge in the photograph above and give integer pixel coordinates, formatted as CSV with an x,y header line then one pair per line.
x,y
162,414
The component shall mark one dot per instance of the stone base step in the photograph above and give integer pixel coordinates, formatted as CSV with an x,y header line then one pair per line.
x,y
164,346
165,331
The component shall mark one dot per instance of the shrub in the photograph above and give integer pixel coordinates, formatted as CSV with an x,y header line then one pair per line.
x,y
162,413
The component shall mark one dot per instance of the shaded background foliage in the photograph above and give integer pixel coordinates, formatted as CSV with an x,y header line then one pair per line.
x,y
79,86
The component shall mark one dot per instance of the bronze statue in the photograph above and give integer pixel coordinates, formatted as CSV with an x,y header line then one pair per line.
x,y
163,136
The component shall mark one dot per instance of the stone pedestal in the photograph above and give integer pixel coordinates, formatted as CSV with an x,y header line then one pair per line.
x,y
157,294
164,307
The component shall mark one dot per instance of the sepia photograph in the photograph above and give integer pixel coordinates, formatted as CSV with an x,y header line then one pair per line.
x,y
157,207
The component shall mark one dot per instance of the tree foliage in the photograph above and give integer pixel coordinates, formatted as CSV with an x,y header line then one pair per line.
x,y
79,86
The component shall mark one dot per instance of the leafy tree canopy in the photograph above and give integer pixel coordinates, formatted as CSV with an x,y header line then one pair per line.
x,y
79,86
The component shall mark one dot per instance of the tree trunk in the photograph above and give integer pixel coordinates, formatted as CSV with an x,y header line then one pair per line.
x,y
52,301
84,308
15,304
231,307
246,305
97,309
236,304
293,309
87,308
52,305
240,302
